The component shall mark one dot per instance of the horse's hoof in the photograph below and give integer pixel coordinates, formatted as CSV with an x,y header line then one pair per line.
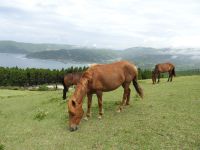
x,y
86,118
119,110
88,115
99,117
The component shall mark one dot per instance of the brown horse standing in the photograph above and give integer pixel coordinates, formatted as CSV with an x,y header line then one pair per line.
x,y
162,68
69,80
98,79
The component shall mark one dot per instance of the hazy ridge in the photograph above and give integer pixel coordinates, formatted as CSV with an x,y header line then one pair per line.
x,y
145,57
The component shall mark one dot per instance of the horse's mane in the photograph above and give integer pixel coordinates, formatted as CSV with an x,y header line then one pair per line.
x,y
83,84
86,76
92,65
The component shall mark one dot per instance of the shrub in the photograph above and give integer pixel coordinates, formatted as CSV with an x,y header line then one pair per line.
x,y
2,147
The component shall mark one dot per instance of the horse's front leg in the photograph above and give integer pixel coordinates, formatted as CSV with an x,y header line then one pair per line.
x,y
100,103
65,90
88,114
154,80
155,77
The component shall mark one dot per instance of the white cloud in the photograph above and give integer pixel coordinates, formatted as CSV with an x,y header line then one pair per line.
x,y
107,23
186,41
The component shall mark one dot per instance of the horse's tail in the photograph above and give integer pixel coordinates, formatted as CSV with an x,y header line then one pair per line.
x,y
138,89
173,72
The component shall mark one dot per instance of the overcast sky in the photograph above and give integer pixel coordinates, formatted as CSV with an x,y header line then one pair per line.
x,y
116,24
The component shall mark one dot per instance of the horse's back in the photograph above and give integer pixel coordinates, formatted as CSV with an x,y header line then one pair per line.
x,y
164,67
110,76
119,67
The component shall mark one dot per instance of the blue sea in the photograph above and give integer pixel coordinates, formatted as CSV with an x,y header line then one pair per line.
x,y
20,60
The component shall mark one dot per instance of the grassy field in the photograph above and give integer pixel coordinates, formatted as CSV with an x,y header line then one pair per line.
x,y
167,118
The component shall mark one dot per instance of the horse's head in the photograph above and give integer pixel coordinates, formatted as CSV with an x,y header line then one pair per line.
x,y
75,103
75,113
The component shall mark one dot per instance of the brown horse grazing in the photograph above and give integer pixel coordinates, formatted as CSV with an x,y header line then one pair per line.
x,y
69,80
162,68
98,79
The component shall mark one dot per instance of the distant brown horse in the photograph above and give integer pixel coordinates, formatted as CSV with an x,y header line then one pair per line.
x,y
98,79
69,80
162,68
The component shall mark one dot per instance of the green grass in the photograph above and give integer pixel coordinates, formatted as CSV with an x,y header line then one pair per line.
x,y
167,118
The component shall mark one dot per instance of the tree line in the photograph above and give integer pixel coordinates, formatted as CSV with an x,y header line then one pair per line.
x,y
31,76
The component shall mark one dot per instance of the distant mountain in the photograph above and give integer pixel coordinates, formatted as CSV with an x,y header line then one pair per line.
x,y
10,47
85,55
145,57
19,47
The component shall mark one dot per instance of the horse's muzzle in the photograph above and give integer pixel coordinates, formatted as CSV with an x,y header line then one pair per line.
x,y
73,128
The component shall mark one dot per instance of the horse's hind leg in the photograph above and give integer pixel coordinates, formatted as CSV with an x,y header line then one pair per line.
x,y
128,96
125,95
169,76
99,96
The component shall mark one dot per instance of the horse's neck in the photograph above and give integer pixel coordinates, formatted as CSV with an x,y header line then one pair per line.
x,y
81,90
